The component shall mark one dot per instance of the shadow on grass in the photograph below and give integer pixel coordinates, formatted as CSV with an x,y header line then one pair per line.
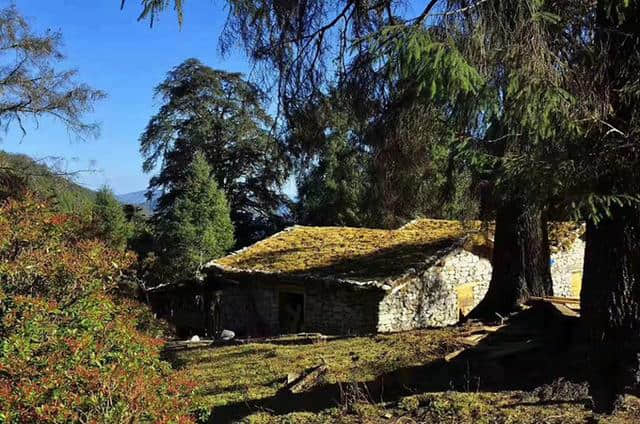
x,y
535,349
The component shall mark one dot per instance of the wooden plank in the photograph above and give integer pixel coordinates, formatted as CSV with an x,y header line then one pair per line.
x,y
474,339
493,328
483,329
556,299
574,306
307,380
451,356
564,310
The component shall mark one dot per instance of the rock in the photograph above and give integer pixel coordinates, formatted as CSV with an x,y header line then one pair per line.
x,y
227,335
194,338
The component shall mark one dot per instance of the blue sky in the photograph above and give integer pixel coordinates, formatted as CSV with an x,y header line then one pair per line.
x,y
125,58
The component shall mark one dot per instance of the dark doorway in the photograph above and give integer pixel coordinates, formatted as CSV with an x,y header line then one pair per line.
x,y
291,312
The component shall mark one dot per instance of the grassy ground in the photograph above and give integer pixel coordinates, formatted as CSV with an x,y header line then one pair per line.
x,y
242,383
454,407
255,371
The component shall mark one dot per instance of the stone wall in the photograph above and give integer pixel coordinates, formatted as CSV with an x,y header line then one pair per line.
x,y
566,265
340,310
252,309
430,299
456,284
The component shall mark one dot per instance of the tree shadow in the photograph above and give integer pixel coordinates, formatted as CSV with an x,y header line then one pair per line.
x,y
536,348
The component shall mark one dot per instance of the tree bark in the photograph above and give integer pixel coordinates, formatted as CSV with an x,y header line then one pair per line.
x,y
610,306
521,259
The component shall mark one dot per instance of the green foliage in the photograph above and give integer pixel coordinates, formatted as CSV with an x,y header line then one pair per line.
x,y
197,228
366,158
331,191
151,8
414,167
141,239
441,71
222,116
109,220
333,169
70,349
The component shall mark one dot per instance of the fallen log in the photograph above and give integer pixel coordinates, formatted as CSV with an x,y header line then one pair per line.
x,y
309,378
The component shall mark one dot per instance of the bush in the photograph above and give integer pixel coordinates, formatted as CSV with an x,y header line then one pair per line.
x,y
70,349
109,220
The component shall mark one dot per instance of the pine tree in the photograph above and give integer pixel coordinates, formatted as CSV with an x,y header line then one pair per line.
x,y
610,296
109,220
222,116
197,227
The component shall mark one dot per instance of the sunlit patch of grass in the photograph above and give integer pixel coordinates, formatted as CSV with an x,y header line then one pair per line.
x,y
255,371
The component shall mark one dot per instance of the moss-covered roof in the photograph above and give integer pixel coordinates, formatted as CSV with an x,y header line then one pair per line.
x,y
352,253
370,255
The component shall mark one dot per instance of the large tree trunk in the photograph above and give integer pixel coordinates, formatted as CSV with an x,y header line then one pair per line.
x,y
521,260
610,306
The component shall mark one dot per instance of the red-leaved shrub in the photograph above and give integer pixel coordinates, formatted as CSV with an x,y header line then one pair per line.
x,y
70,349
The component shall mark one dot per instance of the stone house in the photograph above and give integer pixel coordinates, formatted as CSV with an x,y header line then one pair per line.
x,y
338,280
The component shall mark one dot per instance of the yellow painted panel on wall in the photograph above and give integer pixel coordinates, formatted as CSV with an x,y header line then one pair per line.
x,y
576,284
466,301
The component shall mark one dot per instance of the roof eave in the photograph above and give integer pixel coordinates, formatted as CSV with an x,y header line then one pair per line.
x,y
236,273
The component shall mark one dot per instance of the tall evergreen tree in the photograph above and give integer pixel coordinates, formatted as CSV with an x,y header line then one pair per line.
x,y
222,116
109,219
375,155
331,166
196,228
331,190
610,297
515,117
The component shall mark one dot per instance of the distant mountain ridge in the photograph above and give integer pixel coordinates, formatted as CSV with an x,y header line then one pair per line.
x,y
138,198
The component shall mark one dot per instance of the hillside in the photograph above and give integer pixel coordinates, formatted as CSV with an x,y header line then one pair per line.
x,y
40,178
